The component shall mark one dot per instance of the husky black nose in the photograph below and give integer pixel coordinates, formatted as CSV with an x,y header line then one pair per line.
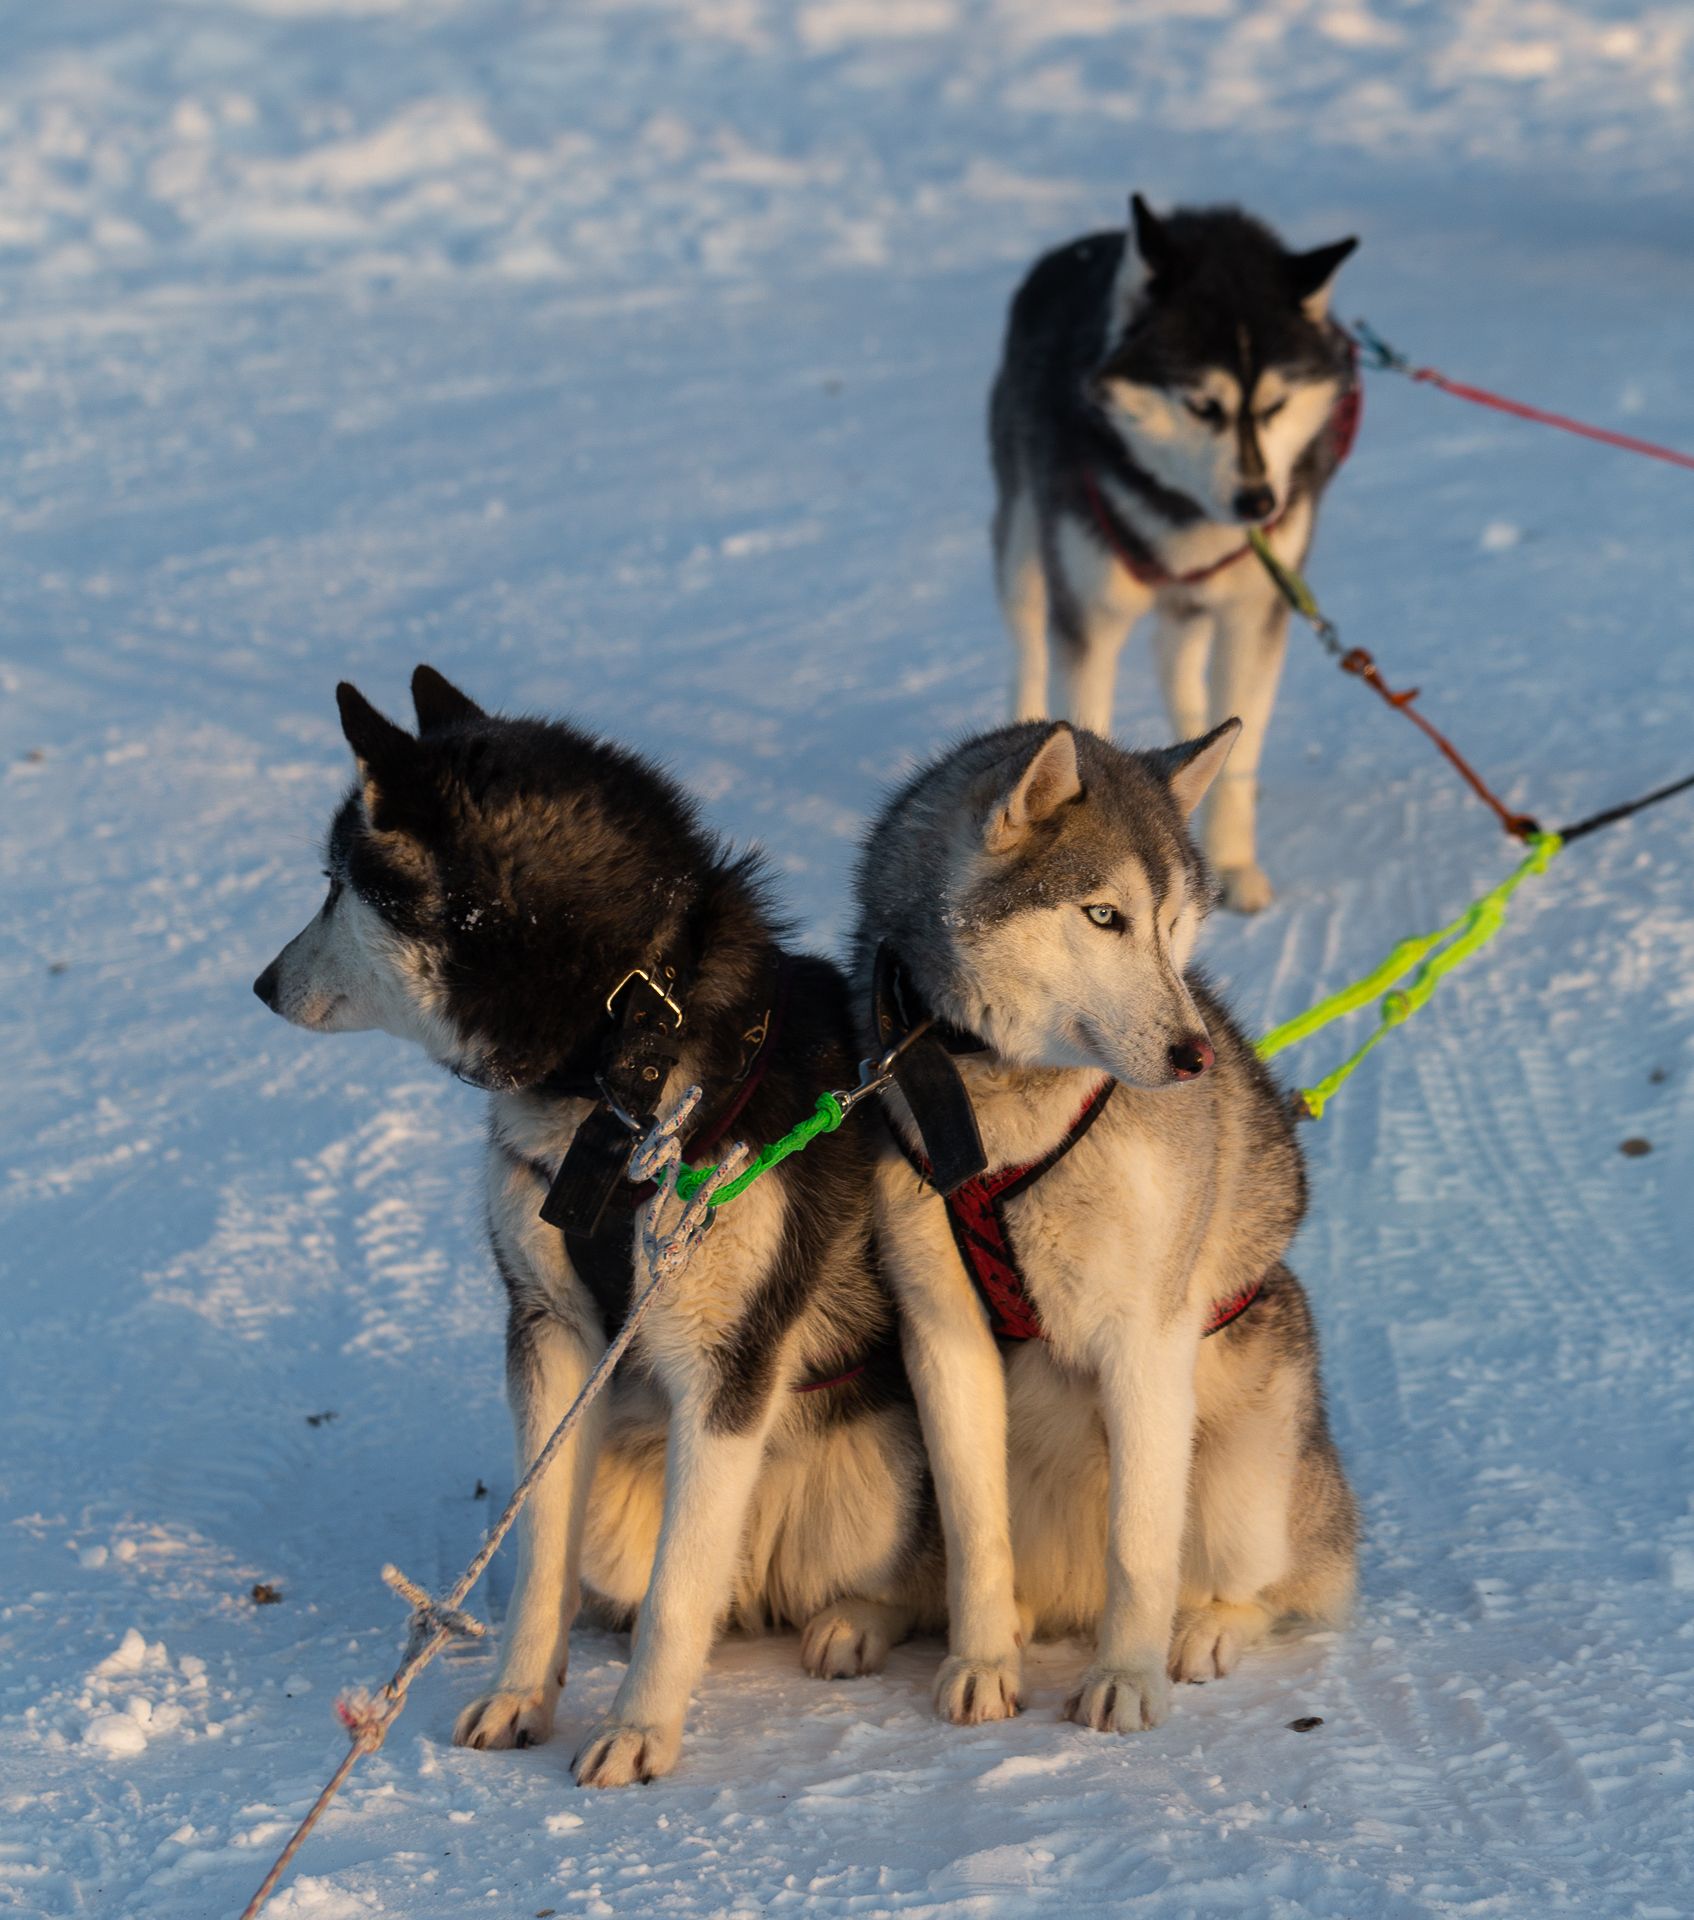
x,y
1254,503
265,986
1191,1056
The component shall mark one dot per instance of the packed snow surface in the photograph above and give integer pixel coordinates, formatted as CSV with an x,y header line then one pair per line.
x,y
628,361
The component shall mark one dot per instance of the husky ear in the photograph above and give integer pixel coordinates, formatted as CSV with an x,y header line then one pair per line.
x,y
387,754
1191,768
1310,275
1152,238
438,703
1048,782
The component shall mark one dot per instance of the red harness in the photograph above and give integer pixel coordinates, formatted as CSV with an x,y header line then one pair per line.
x,y
1343,430
976,1213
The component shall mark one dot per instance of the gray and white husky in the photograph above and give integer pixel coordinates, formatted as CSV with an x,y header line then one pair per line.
x,y
496,887
1160,392
1120,1473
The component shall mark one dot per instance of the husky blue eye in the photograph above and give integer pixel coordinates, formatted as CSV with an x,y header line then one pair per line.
x,y
1107,917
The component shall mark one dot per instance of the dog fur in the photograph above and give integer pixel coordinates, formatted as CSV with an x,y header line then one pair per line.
x,y
490,882
1172,1494
1188,372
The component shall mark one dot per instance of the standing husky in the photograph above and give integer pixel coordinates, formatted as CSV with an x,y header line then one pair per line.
x,y
1158,394
1036,892
544,916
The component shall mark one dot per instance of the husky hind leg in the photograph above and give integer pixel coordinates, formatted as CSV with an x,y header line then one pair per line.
x,y
1212,1630
853,1637
1095,603
1272,1522
1321,1583
1089,670
1020,579
1238,1547
1182,646
857,1558
1059,1496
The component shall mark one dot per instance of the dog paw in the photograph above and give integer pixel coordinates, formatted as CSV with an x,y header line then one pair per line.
x,y
969,1691
522,1719
1209,1641
619,1755
1120,1699
846,1640
1245,889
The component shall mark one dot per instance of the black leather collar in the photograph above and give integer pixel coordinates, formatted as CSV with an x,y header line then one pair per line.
x,y
635,1052
590,1200
637,1048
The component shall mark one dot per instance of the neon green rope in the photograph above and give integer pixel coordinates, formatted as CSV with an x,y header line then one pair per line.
x,y
1439,953
825,1117
1292,584
1360,994
1456,941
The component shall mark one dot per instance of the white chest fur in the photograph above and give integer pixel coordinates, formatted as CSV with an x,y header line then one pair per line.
x,y
1117,1237
1111,1240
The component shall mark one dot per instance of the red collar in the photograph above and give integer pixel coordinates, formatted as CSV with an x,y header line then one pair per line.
x,y
1148,571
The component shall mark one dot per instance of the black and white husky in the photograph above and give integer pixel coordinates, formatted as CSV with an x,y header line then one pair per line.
x,y
1118,1376
1160,392
499,889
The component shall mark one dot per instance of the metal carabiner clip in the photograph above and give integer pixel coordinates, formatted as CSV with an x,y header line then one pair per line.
x,y
877,1071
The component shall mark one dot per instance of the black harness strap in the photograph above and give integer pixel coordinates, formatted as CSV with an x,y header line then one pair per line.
x,y
925,1074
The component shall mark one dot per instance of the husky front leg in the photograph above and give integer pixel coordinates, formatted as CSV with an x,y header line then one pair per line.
x,y
1246,670
546,1365
709,1478
959,1384
1147,1403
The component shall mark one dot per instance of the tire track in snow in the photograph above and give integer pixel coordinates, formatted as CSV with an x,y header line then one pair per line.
x,y
1496,1197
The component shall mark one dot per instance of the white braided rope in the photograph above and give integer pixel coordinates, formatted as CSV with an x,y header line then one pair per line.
x,y
666,1250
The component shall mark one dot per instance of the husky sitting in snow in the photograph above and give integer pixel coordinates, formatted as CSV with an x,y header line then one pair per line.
x,y
1117,1374
1161,392
542,913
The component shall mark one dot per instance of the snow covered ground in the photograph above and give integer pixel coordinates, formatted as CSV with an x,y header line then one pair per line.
x,y
629,360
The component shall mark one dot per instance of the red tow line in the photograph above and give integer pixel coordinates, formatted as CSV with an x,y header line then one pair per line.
x,y
1386,359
